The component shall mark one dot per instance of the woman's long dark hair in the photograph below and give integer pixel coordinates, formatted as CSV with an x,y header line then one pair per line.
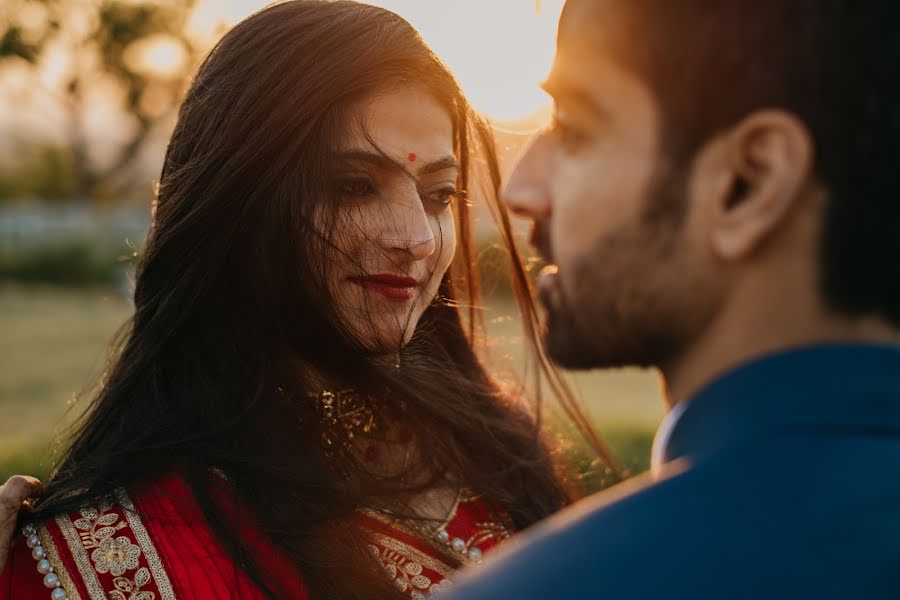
x,y
213,370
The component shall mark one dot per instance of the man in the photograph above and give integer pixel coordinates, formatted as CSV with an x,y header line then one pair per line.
x,y
720,198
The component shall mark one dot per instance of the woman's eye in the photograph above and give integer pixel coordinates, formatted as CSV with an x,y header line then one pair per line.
x,y
442,197
356,187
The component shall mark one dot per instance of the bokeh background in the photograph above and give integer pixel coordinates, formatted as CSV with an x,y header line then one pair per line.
x,y
89,90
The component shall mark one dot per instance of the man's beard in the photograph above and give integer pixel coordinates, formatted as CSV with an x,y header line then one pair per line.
x,y
626,302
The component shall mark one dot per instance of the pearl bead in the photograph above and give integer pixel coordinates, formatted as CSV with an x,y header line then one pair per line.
x,y
459,545
475,554
58,594
443,536
38,553
28,529
32,541
51,580
44,566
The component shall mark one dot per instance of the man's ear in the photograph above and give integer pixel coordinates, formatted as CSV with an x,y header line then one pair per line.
x,y
764,164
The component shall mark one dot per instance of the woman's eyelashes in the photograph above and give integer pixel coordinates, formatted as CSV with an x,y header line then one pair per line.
x,y
363,186
356,186
442,197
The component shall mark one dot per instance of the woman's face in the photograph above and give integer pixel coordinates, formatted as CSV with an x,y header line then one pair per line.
x,y
394,236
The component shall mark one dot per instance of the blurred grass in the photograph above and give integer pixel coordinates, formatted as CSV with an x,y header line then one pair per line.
x,y
70,264
53,344
624,405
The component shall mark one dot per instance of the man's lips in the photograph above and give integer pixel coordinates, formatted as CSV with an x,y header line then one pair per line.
x,y
546,277
389,285
540,240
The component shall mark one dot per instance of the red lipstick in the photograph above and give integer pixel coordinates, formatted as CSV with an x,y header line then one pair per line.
x,y
389,285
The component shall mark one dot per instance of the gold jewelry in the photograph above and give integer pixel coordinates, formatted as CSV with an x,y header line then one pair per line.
x,y
343,415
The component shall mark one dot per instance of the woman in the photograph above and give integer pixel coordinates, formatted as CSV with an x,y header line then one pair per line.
x,y
297,409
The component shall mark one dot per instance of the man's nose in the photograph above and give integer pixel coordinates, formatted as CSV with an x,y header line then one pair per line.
x,y
526,193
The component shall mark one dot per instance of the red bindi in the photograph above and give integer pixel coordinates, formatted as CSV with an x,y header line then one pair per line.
x,y
412,157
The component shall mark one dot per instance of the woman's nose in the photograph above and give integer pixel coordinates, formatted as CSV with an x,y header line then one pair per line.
x,y
415,229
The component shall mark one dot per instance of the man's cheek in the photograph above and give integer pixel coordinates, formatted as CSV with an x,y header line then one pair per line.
x,y
575,213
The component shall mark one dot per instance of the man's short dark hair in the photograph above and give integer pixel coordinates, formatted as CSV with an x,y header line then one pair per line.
x,y
833,63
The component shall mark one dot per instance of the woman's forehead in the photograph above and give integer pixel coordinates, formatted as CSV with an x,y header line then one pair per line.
x,y
407,124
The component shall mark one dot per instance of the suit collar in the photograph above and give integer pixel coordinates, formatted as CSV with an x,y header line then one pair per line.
x,y
848,387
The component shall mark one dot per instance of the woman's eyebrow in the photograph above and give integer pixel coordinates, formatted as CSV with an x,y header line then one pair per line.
x,y
373,158
446,162
383,162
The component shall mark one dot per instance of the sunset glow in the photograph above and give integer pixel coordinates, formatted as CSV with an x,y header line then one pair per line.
x,y
499,49
158,55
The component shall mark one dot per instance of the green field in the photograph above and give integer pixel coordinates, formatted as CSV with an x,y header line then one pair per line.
x,y
53,345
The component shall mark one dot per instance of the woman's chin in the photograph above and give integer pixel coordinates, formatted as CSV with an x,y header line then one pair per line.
x,y
384,337
386,345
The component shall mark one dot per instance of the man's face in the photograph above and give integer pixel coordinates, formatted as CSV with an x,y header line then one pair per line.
x,y
611,213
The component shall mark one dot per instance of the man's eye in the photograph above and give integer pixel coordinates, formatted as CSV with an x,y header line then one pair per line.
x,y
569,137
356,187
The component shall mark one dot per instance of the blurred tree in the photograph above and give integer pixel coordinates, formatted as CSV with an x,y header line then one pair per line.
x,y
133,53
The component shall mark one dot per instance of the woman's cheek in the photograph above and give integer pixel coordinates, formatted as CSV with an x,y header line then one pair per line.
x,y
447,250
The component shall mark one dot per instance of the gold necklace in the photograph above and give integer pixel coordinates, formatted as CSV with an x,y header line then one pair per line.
x,y
343,415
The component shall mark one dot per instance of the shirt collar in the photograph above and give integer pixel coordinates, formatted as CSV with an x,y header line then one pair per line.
x,y
850,386
663,434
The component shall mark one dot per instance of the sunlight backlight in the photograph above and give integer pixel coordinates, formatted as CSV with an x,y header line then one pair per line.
x,y
499,49
160,56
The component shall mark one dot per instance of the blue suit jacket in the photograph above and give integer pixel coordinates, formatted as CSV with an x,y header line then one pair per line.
x,y
782,481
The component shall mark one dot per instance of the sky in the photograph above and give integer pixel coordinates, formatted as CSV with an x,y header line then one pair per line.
x,y
499,49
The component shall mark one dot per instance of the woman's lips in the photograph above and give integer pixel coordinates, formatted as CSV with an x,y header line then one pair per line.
x,y
389,285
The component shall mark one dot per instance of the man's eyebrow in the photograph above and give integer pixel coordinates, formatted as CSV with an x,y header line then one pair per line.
x,y
564,91
381,161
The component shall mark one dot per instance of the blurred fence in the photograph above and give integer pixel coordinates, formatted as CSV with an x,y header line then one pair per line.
x,y
31,226
72,244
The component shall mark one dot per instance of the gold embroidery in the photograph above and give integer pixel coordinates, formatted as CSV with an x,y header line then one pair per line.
x,y
413,554
483,530
406,574
486,531
76,547
132,587
95,530
143,538
113,555
52,555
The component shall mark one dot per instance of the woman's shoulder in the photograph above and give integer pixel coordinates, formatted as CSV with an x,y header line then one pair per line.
x,y
151,542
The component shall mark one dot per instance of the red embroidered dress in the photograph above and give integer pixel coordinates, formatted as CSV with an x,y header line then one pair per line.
x,y
156,545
